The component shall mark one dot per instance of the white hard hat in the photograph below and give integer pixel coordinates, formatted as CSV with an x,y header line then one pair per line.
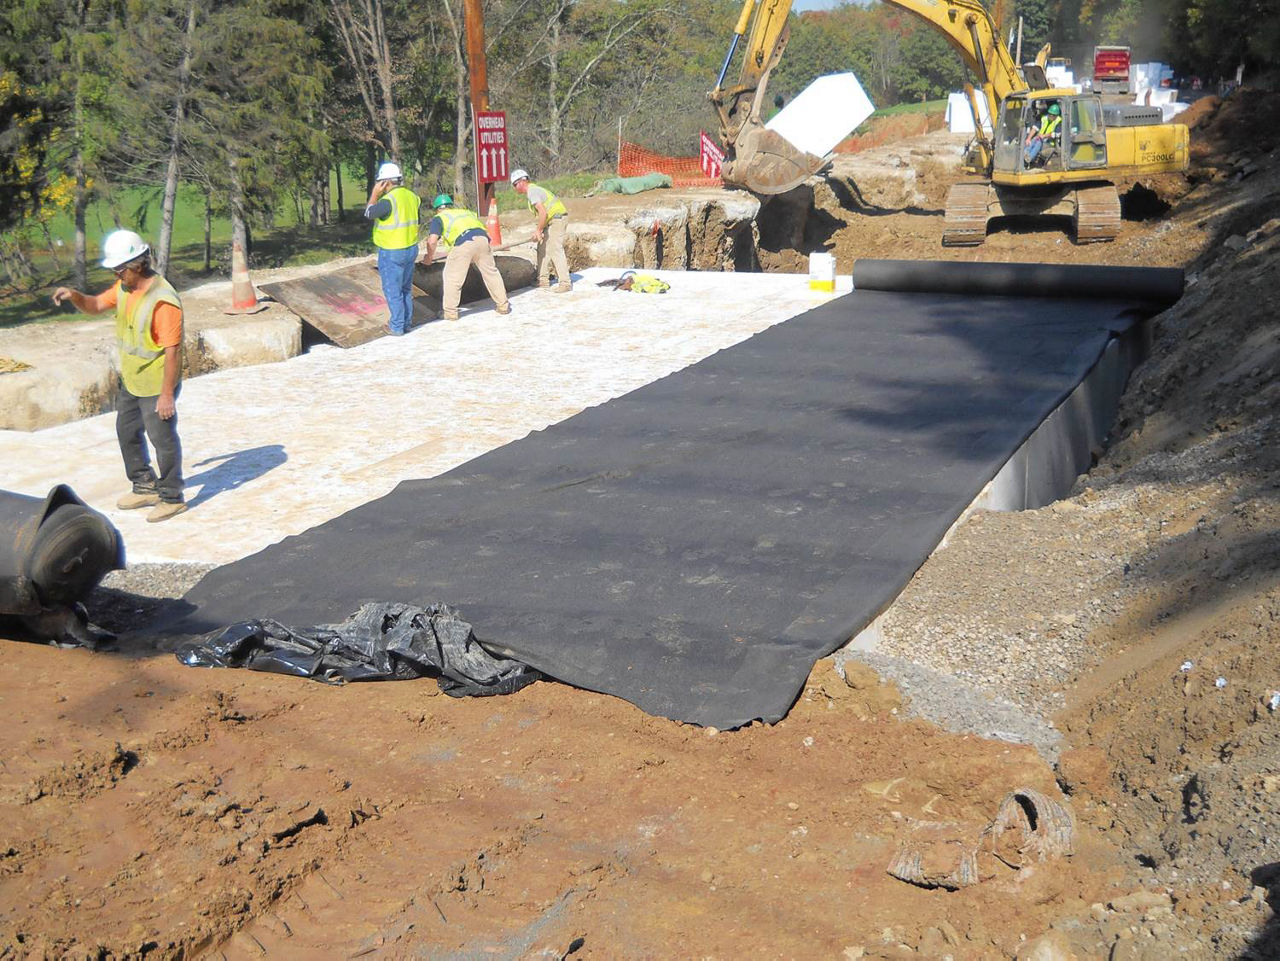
x,y
389,171
517,175
120,247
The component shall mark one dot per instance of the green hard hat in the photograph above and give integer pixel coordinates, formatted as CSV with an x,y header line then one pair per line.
x,y
442,200
1055,109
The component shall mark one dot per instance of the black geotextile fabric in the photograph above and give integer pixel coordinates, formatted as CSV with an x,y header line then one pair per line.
x,y
695,545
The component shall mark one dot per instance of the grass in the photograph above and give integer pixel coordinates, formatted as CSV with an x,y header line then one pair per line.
x,y
925,106
291,245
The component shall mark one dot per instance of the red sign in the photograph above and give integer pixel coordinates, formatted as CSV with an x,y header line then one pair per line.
x,y
710,155
492,162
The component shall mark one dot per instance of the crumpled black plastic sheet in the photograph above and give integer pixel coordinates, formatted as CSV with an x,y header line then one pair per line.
x,y
379,642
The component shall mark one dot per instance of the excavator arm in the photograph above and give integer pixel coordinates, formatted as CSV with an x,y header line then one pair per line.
x,y
763,162
756,158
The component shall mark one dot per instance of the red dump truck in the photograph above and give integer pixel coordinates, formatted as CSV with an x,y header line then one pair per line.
x,y
1111,69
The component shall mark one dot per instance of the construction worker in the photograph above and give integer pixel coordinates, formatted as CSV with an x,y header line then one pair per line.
x,y
549,230
149,332
393,208
1042,135
463,234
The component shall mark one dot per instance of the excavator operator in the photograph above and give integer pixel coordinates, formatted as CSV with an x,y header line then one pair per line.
x,y
1042,135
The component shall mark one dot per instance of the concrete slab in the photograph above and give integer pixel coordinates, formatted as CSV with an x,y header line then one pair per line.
x,y
275,449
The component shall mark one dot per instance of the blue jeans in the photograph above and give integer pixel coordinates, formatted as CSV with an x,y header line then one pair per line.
x,y
395,267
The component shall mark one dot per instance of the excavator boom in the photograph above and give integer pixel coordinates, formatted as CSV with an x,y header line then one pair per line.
x,y
763,162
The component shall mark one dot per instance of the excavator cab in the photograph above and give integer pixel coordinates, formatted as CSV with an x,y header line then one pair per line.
x,y
1078,140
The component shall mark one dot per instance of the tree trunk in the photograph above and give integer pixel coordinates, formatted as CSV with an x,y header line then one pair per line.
x,y
81,207
317,200
553,105
175,145
342,207
208,231
461,125
382,50
239,230
79,273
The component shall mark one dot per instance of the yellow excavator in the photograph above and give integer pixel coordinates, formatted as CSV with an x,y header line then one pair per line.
x,y
1072,171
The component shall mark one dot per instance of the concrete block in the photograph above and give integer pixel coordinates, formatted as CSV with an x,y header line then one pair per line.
x,y
255,339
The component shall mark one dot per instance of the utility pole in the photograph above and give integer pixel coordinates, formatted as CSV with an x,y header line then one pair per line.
x,y
478,73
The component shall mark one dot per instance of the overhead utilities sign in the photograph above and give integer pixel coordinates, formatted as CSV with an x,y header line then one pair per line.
x,y
710,156
492,159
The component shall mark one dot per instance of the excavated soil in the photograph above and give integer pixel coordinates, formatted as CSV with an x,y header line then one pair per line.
x,y
155,810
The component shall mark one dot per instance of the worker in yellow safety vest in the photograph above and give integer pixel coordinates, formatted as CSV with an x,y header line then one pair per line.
x,y
549,228
462,233
393,208
1043,135
149,335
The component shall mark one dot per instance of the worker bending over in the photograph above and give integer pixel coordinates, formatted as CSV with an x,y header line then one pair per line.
x,y
149,333
549,229
463,234
393,208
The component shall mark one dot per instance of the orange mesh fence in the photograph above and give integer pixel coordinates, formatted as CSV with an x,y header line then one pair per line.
x,y
635,161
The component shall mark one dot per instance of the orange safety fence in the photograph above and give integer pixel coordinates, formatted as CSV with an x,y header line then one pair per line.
x,y
636,161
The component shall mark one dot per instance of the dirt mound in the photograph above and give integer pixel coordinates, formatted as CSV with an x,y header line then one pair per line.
x,y
879,131
1248,120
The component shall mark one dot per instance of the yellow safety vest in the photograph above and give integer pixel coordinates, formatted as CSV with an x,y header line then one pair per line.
x,y
456,221
141,358
399,229
1048,125
644,283
555,206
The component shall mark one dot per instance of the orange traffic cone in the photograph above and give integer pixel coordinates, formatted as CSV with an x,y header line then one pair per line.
x,y
244,299
493,227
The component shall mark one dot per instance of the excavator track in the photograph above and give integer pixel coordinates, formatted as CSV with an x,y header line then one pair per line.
x,y
965,224
1097,214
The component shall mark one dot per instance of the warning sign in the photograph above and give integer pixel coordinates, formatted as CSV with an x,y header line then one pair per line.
x,y
492,162
710,155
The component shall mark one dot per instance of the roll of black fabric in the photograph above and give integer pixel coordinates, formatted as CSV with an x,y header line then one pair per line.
x,y
1160,286
53,550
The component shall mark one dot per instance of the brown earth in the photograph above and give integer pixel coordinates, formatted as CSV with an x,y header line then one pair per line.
x,y
154,810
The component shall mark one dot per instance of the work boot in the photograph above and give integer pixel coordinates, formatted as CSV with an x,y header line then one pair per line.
x,y
563,288
503,309
450,315
544,286
133,500
166,510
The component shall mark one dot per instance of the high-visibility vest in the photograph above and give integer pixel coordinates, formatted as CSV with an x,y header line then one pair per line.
x,y
456,221
141,358
399,229
645,283
555,206
1049,124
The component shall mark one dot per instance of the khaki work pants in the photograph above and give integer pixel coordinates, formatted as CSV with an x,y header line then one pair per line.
x,y
461,256
551,251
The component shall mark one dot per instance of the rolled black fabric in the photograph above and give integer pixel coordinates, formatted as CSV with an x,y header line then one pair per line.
x,y
1152,285
516,273
53,550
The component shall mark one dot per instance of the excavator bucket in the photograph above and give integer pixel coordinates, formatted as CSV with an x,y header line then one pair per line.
x,y
766,163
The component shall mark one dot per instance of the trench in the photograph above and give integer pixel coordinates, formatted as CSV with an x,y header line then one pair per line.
x,y
1046,466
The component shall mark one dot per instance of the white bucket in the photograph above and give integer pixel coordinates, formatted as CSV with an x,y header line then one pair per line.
x,y
822,272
